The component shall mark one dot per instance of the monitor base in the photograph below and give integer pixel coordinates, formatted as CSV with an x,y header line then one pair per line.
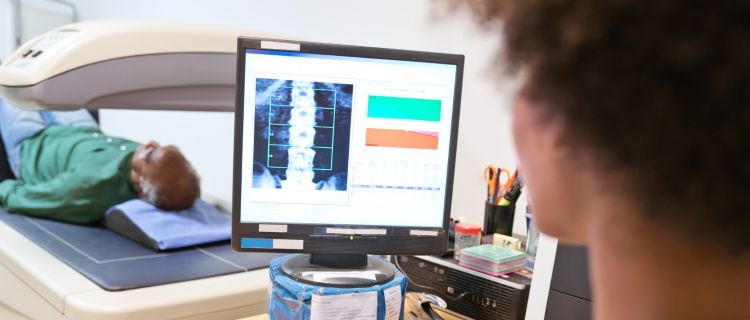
x,y
336,272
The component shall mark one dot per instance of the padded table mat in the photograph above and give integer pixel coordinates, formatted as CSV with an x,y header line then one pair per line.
x,y
116,263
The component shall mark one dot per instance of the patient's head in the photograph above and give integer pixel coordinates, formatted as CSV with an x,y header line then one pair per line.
x,y
162,176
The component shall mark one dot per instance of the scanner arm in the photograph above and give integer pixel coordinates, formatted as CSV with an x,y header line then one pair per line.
x,y
124,65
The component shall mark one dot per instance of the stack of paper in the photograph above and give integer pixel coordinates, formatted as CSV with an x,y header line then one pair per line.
x,y
492,259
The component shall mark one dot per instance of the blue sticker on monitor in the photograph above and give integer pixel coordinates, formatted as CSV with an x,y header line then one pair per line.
x,y
256,243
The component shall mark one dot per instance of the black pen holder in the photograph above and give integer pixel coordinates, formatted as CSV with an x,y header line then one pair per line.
x,y
498,219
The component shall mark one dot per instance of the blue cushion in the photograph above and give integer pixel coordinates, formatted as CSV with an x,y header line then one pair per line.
x,y
160,230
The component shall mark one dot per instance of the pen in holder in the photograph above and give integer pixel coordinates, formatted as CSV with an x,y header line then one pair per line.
x,y
498,219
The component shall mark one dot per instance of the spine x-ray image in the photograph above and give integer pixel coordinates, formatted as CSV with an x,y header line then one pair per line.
x,y
301,134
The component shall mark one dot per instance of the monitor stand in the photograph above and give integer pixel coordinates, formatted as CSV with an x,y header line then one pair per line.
x,y
338,270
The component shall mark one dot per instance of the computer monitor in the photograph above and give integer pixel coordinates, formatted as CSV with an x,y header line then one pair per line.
x,y
343,150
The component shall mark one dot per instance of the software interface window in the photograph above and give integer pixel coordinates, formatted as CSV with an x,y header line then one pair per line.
x,y
327,136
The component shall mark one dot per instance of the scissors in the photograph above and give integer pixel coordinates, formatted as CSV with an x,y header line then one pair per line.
x,y
496,185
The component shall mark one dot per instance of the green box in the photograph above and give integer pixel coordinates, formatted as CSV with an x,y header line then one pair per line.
x,y
403,108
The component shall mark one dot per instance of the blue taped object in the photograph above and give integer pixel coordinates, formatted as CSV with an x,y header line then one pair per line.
x,y
290,299
160,230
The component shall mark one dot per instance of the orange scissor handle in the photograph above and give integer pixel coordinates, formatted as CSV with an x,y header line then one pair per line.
x,y
505,182
490,177
511,180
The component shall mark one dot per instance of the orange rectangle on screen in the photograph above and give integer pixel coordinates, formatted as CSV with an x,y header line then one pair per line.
x,y
401,138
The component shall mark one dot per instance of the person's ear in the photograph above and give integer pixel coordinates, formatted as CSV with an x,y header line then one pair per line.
x,y
135,180
138,189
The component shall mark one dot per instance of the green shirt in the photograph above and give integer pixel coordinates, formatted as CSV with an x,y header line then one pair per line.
x,y
71,174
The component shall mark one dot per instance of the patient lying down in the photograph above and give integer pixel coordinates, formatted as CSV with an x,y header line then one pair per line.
x,y
68,170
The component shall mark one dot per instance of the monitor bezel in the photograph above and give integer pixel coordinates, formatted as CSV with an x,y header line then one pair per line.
x,y
398,240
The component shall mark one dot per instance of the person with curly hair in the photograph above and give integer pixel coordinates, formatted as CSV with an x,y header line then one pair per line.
x,y
633,129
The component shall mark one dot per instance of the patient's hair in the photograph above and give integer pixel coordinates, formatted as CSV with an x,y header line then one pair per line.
x,y
174,185
659,90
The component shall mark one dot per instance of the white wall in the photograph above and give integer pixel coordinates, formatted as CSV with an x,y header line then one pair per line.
x,y
207,137
6,29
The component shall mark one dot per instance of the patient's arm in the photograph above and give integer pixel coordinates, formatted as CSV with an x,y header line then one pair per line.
x,y
77,196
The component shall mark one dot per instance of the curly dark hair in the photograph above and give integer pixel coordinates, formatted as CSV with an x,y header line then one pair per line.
x,y
659,89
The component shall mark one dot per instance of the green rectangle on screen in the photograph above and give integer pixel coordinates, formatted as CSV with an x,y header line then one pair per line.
x,y
403,108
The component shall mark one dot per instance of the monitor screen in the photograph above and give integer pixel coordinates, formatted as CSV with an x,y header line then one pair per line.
x,y
343,149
